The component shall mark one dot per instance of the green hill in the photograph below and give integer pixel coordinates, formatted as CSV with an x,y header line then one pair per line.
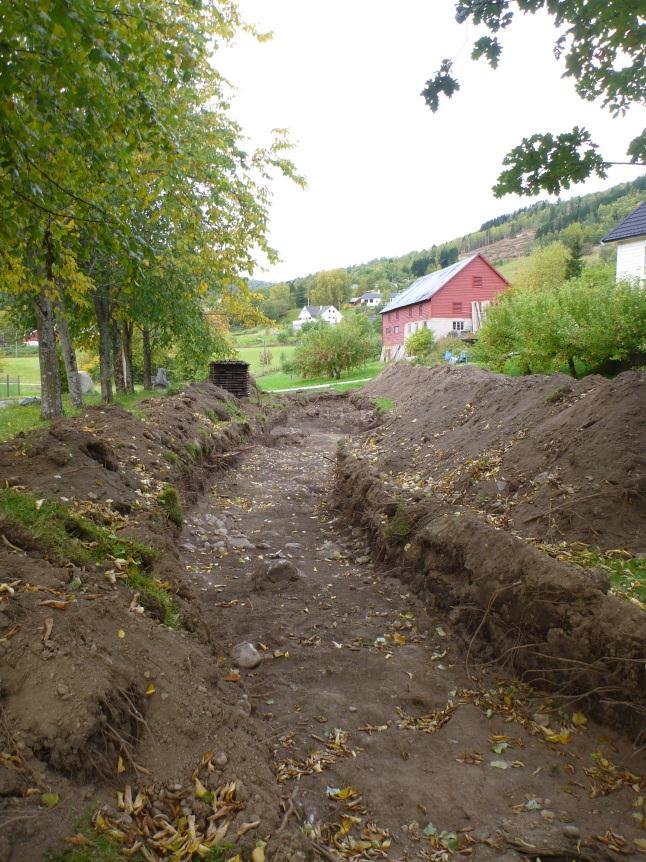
x,y
503,239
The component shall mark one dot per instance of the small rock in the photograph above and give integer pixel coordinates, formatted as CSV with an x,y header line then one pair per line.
x,y
32,399
293,546
221,759
363,560
245,655
240,542
541,718
571,831
330,550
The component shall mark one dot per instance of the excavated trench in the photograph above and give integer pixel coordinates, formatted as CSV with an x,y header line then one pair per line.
x,y
349,679
387,732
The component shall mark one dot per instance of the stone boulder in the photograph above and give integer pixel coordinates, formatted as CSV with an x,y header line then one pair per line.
x,y
276,574
85,382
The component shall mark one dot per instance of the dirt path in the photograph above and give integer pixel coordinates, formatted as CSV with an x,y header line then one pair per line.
x,y
366,697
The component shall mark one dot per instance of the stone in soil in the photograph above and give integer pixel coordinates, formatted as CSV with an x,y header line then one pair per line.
x,y
246,656
276,574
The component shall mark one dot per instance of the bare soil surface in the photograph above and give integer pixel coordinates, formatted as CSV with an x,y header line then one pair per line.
x,y
544,456
296,701
385,744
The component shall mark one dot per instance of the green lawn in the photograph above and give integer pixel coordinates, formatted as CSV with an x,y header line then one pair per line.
x,y
280,380
25,367
252,356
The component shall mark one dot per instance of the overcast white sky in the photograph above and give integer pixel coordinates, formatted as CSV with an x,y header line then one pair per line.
x,y
384,174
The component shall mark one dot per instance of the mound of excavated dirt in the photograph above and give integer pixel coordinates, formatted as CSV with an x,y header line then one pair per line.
x,y
109,678
543,456
465,465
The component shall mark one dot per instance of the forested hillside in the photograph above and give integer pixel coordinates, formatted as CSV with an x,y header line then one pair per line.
x,y
502,238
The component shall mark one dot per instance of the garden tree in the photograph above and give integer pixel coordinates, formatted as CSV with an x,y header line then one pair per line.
x,y
278,301
602,45
331,350
331,287
104,113
420,343
545,268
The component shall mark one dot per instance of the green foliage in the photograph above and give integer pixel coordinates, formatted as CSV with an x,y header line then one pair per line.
x,y
331,287
278,301
589,319
170,456
419,344
545,269
603,54
170,502
331,350
551,163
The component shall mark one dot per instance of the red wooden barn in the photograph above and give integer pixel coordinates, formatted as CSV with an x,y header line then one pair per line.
x,y
450,301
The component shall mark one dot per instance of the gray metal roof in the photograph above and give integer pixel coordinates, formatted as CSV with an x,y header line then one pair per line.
x,y
426,286
633,225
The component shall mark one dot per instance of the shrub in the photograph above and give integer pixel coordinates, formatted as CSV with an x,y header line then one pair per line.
x,y
590,319
419,344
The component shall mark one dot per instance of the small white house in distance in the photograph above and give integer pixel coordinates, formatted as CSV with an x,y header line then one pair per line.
x,y
315,313
630,236
372,298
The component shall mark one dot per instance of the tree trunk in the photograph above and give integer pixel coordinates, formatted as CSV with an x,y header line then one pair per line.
x,y
69,355
51,400
572,366
126,341
101,300
117,358
148,361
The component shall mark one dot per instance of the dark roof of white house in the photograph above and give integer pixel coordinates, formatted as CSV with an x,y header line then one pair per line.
x,y
317,310
633,225
426,286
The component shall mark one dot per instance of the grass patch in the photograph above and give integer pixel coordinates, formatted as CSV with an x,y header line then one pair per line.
x,y
172,506
62,536
383,405
155,597
235,411
194,451
171,457
558,394
399,527
95,847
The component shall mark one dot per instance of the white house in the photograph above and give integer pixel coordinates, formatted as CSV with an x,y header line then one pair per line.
x,y
316,313
372,298
630,236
